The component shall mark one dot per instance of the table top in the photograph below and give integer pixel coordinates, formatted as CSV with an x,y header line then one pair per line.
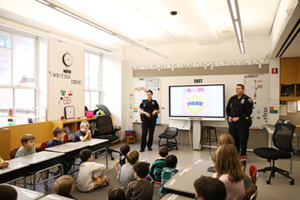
x,y
183,181
38,157
65,148
13,165
25,194
171,196
54,197
93,141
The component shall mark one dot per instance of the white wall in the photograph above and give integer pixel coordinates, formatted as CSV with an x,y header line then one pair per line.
x,y
56,50
274,87
256,48
112,87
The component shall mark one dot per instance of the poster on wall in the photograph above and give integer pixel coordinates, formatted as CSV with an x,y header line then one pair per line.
x,y
141,86
256,87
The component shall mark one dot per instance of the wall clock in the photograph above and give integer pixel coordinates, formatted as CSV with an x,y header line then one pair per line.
x,y
67,59
69,112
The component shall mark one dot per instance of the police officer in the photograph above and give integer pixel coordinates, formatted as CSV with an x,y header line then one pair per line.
x,y
149,109
238,110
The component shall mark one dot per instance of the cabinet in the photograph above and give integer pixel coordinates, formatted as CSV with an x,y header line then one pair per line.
x,y
287,70
290,79
73,124
298,70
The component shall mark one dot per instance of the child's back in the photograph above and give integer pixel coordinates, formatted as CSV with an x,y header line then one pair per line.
x,y
126,173
167,173
86,182
158,165
140,188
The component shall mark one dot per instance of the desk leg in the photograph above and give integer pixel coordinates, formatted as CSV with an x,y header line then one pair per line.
x,y
181,137
190,139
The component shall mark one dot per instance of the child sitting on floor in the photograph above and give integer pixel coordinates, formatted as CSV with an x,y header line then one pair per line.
x,y
126,173
140,188
64,186
8,193
124,150
159,164
208,188
167,173
116,194
86,181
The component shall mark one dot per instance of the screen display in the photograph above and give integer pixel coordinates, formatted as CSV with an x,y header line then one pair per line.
x,y
197,101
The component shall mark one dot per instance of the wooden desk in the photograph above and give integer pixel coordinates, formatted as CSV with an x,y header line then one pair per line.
x,y
182,182
25,194
54,197
171,196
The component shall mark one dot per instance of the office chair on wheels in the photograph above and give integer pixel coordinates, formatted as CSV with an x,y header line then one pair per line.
x,y
282,139
104,129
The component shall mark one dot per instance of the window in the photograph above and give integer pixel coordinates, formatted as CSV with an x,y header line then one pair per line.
x,y
92,80
17,78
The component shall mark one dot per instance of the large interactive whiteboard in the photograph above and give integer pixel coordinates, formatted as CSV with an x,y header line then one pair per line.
x,y
204,101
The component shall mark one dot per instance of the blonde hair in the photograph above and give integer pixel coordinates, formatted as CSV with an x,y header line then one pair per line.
x,y
84,124
25,138
227,162
132,156
57,130
63,185
225,139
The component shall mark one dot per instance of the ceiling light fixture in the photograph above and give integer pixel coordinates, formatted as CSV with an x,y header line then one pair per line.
x,y
44,2
70,12
233,8
236,20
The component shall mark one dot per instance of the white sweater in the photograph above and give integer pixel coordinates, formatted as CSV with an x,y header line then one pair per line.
x,y
86,169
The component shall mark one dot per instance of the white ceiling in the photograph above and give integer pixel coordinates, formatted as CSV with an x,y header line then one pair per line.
x,y
150,21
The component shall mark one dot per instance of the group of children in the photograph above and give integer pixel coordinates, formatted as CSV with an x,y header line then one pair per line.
x,y
229,182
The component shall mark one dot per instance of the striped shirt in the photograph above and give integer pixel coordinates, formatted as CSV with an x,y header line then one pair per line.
x,y
156,169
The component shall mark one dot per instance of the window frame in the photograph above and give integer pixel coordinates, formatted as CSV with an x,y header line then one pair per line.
x,y
35,59
99,81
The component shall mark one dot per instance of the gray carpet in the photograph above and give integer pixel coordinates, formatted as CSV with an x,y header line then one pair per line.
x,y
98,194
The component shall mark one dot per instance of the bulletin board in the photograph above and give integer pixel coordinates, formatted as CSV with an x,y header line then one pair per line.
x,y
65,84
141,85
257,88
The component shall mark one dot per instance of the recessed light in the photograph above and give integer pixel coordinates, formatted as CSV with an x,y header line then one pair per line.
x,y
226,31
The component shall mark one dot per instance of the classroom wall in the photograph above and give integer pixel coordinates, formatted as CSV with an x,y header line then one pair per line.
x,y
112,87
256,48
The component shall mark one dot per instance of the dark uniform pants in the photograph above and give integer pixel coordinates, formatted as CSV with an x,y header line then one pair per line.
x,y
240,133
147,124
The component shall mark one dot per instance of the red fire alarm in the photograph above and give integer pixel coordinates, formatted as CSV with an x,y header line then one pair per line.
x,y
274,70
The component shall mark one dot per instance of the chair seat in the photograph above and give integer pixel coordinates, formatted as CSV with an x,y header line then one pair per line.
x,y
270,153
167,136
208,127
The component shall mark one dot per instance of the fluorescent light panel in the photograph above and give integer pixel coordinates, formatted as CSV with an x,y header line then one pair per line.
x,y
44,2
236,23
233,8
98,27
238,30
242,47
